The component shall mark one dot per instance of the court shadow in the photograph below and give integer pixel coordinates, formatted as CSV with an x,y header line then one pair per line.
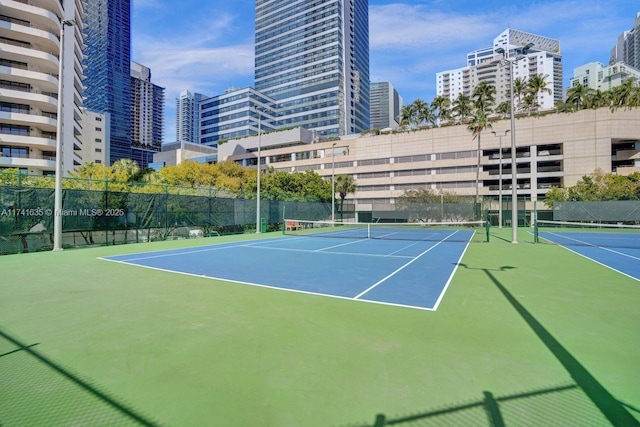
x,y
37,389
615,412
561,404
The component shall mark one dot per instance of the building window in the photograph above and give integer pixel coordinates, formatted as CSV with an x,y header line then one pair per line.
x,y
98,129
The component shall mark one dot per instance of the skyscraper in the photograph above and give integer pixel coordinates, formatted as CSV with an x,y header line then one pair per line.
x,y
147,110
627,49
187,117
385,105
313,59
108,69
32,76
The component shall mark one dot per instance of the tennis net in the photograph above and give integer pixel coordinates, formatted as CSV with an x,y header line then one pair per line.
x,y
587,234
475,231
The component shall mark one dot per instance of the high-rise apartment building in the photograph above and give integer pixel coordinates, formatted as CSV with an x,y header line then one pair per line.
x,y
147,110
32,75
385,105
236,113
108,65
627,49
542,57
312,57
188,117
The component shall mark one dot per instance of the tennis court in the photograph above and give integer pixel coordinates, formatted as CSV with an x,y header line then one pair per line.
x,y
397,264
612,245
526,334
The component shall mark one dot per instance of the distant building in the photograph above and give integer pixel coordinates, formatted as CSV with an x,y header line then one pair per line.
x,y
29,69
543,58
627,49
187,116
234,114
312,57
108,65
597,76
551,150
175,153
147,115
95,137
385,105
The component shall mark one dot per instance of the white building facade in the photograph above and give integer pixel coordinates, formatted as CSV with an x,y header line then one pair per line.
x,y
597,76
30,50
187,116
542,58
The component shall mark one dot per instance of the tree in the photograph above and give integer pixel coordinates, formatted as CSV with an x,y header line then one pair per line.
x,y
405,117
484,97
537,85
477,124
440,106
623,95
577,95
519,89
344,185
125,170
597,187
462,108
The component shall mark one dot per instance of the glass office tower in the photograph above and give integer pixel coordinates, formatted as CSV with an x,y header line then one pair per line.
x,y
108,69
312,57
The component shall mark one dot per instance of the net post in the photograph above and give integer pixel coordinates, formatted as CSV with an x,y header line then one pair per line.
x,y
487,226
535,231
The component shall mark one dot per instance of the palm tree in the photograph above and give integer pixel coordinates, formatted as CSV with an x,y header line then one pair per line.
x,y
406,115
598,99
462,108
344,185
504,108
125,169
577,94
623,94
519,89
484,96
537,84
477,124
440,105
422,112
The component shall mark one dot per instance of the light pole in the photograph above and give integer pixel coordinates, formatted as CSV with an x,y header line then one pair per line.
x,y
333,182
258,168
500,176
514,166
57,194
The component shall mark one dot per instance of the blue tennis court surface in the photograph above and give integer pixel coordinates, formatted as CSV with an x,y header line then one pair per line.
x,y
618,251
405,273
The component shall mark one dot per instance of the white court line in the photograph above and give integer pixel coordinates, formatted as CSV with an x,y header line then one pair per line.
x,y
202,276
397,270
591,259
592,245
186,251
333,253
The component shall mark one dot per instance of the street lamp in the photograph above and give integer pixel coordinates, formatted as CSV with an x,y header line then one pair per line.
x,y
258,167
500,176
514,167
333,181
57,194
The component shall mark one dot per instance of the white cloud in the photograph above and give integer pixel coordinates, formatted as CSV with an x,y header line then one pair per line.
x,y
403,27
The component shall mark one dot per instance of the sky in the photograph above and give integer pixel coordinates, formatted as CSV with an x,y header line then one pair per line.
x,y
208,46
